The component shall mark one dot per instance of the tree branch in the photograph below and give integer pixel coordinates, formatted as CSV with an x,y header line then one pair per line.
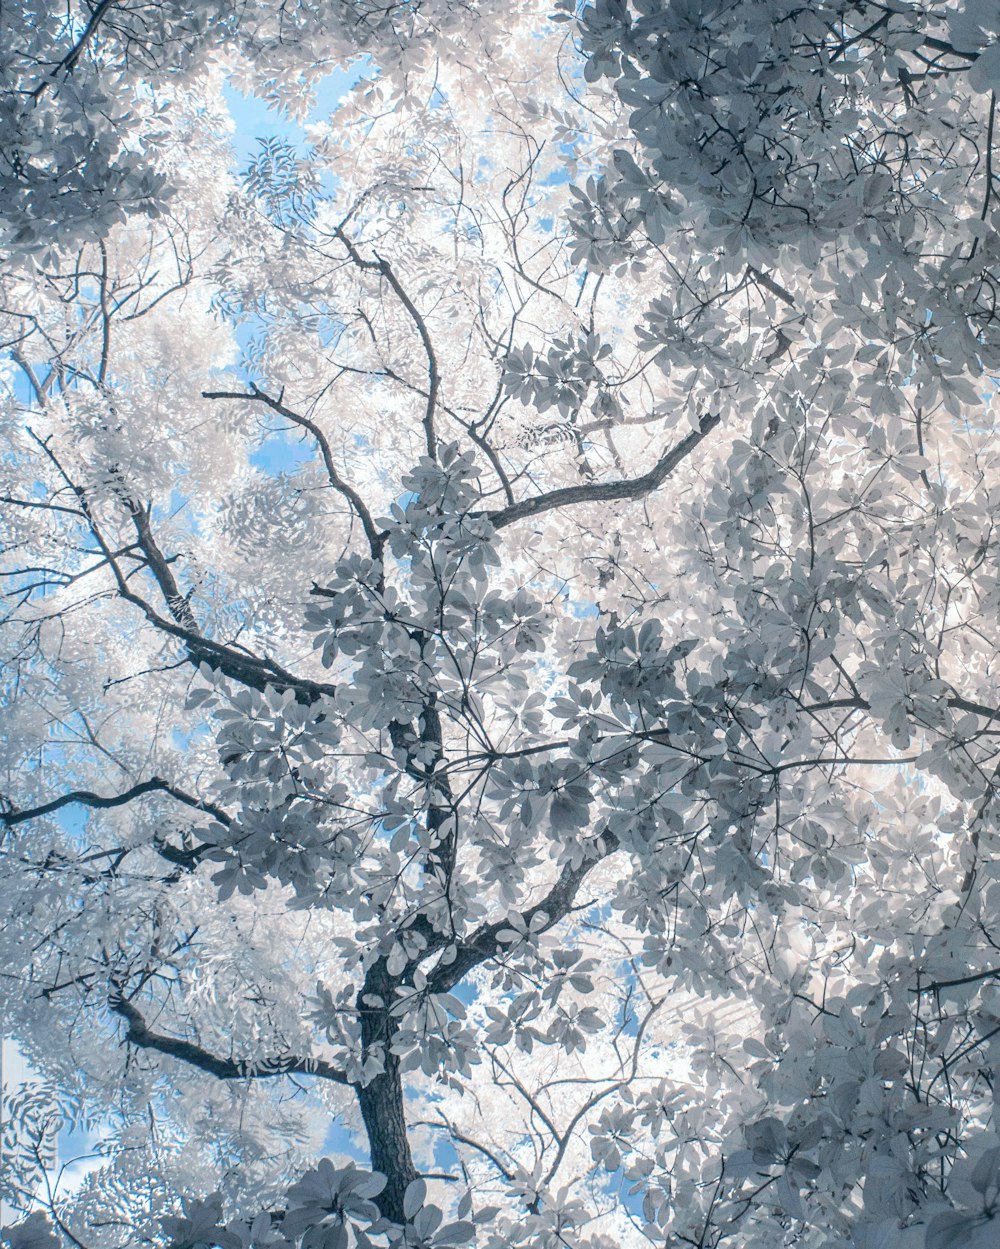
x,y
483,945
85,798
505,1171
241,666
862,704
68,63
379,265
376,540
606,491
140,1035
935,986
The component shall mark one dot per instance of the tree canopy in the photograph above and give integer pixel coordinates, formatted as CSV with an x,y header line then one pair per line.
x,y
500,628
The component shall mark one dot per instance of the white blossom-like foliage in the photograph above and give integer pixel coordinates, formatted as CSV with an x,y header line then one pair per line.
x,y
500,626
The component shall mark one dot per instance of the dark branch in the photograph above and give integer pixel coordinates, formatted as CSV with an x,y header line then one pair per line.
x,y
606,491
68,63
991,973
555,906
241,666
433,381
376,540
188,860
85,798
862,704
178,604
222,1068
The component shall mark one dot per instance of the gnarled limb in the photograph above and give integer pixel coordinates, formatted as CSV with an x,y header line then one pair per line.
x,y
85,798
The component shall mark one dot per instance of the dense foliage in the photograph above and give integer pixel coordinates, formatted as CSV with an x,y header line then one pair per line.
x,y
500,627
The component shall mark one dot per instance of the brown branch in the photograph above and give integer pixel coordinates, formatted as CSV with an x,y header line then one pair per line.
x,y
606,491
85,798
140,1035
376,540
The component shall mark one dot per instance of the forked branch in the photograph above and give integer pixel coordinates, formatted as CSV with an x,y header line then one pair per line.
x,y
376,540
485,944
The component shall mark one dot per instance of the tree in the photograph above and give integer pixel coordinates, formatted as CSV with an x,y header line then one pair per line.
x,y
500,651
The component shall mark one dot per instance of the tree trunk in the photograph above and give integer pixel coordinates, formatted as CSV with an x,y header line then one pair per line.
x,y
385,1121
381,1101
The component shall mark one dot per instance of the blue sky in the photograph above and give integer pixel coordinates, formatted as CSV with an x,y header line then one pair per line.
x,y
255,120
